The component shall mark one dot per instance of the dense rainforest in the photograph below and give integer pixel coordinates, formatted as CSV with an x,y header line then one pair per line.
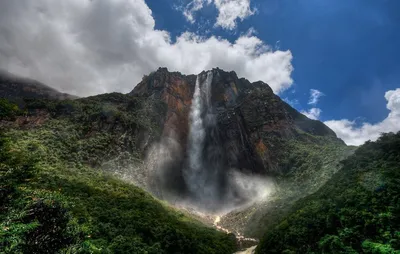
x,y
82,175
356,211
52,201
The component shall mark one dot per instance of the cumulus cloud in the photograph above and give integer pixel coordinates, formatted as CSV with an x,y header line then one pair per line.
x,y
312,113
354,134
314,96
229,11
90,47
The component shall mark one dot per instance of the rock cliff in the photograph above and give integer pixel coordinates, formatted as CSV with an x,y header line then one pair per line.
x,y
252,122
251,138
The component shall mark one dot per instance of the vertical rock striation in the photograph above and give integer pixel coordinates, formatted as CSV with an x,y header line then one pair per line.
x,y
225,123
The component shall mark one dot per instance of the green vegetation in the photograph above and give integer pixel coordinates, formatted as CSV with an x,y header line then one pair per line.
x,y
8,110
56,196
56,200
301,154
307,162
357,211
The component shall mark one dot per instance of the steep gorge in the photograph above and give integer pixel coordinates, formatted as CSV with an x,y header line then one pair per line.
x,y
212,144
231,145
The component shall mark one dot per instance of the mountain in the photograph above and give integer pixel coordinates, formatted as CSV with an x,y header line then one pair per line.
x,y
255,133
15,87
62,190
211,144
53,203
356,211
251,123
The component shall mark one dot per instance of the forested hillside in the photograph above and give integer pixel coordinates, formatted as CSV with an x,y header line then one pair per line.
x,y
55,199
87,175
357,211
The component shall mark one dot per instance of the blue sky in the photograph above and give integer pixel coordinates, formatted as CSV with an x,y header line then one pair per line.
x,y
334,60
349,50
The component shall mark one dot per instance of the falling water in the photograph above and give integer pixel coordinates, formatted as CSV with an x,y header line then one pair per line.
x,y
207,88
195,174
196,140
212,185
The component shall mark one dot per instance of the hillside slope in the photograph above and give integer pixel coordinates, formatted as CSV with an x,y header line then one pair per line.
x,y
143,138
357,211
55,199
15,88
255,133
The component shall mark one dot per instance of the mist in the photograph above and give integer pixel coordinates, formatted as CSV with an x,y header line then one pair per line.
x,y
199,176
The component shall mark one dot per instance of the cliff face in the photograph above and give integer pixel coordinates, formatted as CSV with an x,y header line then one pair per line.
x,y
147,137
253,132
176,91
252,123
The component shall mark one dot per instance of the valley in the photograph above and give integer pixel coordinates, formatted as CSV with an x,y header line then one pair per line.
x,y
207,163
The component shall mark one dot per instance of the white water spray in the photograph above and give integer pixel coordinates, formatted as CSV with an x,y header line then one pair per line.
x,y
194,174
212,185
207,89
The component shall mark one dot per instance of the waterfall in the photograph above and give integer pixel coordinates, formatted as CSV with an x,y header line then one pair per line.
x,y
206,180
207,88
194,174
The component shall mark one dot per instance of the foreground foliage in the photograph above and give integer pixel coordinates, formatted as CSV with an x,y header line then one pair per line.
x,y
56,200
357,211
8,110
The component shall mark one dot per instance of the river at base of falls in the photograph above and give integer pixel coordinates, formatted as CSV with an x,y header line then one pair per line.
x,y
239,237
250,250
246,245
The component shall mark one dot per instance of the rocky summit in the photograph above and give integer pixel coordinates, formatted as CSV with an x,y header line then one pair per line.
x,y
248,130
251,121
206,163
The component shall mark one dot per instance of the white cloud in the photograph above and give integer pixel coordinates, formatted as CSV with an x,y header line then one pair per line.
x,y
314,96
89,47
357,135
312,113
193,7
229,11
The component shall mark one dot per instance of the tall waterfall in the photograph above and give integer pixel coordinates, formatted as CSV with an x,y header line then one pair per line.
x,y
211,184
194,174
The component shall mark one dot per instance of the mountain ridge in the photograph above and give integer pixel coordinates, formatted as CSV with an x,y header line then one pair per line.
x,y
227,98
264,147
15,87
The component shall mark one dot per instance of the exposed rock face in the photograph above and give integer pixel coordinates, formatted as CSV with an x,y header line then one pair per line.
x,y
176,91
145,137
251,120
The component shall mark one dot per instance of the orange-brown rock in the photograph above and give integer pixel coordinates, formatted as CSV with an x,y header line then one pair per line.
x,y
251,121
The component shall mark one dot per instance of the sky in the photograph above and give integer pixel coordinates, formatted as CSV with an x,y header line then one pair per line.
x,y
335,61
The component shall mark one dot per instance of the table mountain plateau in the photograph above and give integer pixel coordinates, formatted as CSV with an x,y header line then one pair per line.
x,y
206,146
